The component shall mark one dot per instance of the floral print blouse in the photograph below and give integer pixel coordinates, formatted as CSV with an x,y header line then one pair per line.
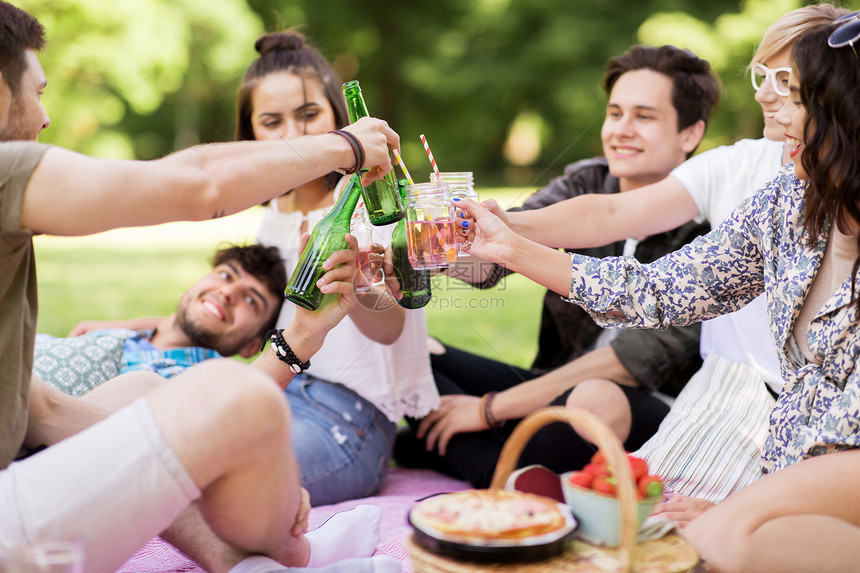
x,y
761,247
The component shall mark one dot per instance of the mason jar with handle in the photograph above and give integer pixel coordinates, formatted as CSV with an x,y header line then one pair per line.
x,y
461,185
430,226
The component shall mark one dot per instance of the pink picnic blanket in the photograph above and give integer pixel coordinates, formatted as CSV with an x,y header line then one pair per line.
x,y
402,489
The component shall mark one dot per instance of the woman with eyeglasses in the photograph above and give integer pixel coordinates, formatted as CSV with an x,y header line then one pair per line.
x,y
707,447
797,240
807,516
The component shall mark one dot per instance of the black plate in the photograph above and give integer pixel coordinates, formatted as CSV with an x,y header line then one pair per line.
x,y
520,550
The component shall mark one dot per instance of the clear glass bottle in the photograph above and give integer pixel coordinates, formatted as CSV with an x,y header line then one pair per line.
x,y
381,198
326,239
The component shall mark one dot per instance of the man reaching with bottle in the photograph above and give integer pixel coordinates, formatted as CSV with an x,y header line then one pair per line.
x,y
213,445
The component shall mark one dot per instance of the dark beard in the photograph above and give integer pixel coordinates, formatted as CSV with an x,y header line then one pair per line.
x,y
198,335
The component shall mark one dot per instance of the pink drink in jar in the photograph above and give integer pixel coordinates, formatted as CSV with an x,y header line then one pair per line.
x,y
431,244
429,226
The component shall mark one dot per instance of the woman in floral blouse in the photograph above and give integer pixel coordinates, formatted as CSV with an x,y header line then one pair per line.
x,y
797,241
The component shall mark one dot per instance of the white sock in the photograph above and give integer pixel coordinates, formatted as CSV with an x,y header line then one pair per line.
x,y
345,535
257,564
377,564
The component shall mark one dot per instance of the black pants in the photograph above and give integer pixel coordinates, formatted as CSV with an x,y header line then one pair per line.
x,y
472,456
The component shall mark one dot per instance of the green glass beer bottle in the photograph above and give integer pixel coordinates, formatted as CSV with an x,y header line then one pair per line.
x,y
326,238
415,284
381,198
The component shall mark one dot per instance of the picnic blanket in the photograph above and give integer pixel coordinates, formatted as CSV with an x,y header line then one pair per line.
x,y
403,487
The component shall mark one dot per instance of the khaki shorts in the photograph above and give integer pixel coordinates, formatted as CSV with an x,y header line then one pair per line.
x,y
112,487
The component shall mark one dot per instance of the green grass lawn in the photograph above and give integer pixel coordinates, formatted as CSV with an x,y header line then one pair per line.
x,y
132,273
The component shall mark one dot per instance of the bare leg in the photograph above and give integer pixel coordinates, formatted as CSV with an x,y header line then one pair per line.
x,y
189,533
228,424
803,518
195,538
123,390
607,401
836,545
192,535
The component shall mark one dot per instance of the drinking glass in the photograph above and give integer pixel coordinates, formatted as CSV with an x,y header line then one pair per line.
x,y
461,185
366,271
430,226
44,557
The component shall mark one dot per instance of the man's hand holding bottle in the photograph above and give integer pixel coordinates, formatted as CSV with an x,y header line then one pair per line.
x,y
377,139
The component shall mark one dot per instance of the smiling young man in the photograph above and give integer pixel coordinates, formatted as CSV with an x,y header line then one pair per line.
x,y
224,313
205,459
232,306
659,102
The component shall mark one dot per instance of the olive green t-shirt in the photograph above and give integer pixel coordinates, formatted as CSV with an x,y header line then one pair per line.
x,y
18,303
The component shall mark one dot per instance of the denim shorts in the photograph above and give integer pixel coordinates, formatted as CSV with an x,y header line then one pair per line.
x,y
342,442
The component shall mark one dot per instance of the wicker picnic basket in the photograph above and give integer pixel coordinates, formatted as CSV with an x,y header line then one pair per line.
x,y
669,554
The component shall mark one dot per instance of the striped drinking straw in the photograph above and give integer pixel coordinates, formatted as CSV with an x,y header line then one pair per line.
x,y
430,155
450,250
403,167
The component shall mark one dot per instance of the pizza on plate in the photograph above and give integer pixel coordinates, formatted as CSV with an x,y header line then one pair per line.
x,y
488,515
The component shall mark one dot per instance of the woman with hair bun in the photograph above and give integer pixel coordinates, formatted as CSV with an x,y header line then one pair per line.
x,y
373,368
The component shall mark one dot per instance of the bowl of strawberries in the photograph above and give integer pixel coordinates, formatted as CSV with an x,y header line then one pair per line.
x,y
592,496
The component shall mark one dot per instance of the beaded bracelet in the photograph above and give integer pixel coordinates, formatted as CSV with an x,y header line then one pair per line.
x,y
357,149
487,411
284,352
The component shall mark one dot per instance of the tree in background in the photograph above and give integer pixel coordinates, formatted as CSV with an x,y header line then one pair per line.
x,y
728,43
141,78
511,88
506,88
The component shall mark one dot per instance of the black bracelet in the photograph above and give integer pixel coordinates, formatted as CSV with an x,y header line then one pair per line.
x,y
357,149
283,351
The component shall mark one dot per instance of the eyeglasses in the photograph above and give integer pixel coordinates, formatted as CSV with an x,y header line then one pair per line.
x,y
847,31
778,78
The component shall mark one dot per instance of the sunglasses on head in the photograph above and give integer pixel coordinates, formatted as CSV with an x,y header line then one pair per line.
x,y
847,31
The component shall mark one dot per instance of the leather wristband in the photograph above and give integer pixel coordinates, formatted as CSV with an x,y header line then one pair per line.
x,y
357,150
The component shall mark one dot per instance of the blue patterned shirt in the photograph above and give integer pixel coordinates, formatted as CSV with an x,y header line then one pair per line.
x,y
140,354
760,248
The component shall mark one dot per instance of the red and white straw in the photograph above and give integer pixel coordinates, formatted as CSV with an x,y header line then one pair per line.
x,y
429,155
439,236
